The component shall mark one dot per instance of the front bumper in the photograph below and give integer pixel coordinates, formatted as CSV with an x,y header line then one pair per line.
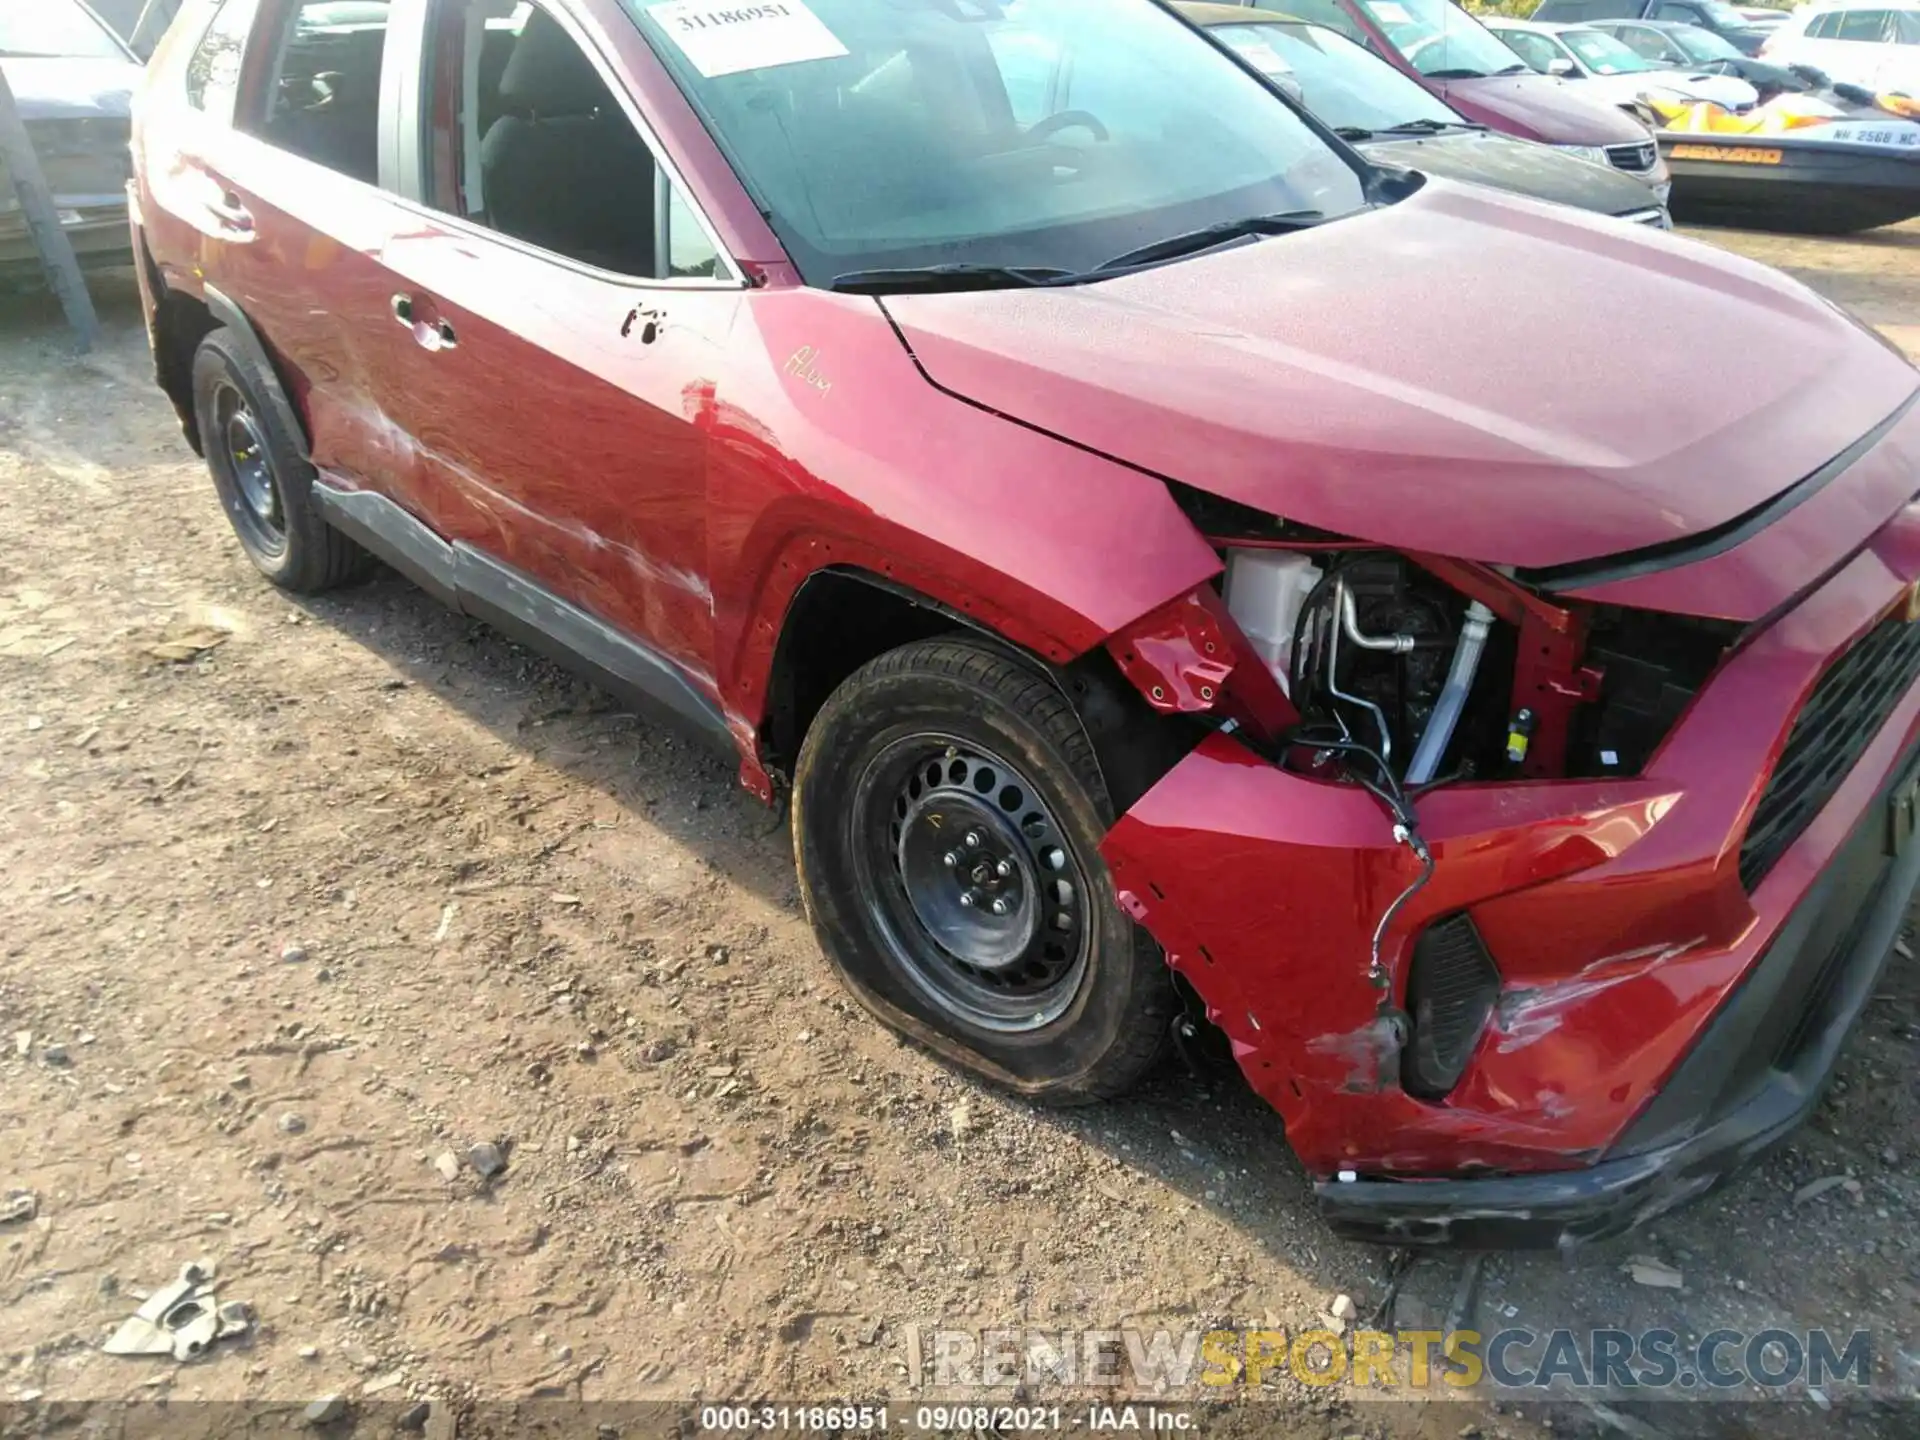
x,y
100,235
1647,1040
1749,1081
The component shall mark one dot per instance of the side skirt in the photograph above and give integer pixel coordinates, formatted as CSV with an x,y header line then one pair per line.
x,y
478,585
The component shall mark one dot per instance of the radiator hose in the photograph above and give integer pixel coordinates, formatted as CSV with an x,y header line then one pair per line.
x,y
1432,748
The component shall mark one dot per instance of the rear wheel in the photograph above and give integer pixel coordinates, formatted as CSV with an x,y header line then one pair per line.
x,y
947,810
263,480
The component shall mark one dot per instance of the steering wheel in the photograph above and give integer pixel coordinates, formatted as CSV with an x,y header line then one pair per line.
x,y
1068,120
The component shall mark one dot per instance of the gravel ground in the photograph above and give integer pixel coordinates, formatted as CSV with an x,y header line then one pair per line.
x,y
303,901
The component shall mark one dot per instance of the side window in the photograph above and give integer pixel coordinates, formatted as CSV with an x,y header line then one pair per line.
x,y
1329,13
213,70
1685,14
1864,25
1906,27
1822,27
323,97
529,140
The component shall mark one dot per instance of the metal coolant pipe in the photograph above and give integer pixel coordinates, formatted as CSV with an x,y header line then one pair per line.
x,y
1453,697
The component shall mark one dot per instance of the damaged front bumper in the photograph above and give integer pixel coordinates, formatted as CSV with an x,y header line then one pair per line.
x,y
1659,1021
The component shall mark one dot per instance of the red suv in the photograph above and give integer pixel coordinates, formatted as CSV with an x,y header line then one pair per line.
x,y
1173,566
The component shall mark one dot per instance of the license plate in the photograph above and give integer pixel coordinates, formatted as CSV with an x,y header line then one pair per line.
x,y
1730,154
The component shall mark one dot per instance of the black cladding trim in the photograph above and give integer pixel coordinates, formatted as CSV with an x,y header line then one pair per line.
x,y
521,608
1691,549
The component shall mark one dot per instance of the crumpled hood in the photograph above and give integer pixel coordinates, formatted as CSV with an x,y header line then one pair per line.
x,y
1464,372
71,88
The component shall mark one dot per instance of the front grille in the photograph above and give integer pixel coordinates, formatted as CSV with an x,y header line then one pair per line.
x,y
1637,158
1845,711
1451,988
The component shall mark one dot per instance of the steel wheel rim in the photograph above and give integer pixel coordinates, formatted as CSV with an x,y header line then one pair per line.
x,y
244,451
1011,958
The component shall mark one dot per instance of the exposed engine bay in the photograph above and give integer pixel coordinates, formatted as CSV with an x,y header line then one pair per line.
x,y
1378,652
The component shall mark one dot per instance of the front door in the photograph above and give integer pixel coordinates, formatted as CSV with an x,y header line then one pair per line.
x,y
566,309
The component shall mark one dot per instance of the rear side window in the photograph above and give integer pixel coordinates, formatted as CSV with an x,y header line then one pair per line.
x,y
213,70
1685,14
1863,25
1823,27
323,96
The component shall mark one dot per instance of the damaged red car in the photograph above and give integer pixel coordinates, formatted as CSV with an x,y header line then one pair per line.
x,y
1167,560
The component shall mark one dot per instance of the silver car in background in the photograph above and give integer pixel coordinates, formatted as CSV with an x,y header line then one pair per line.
x,y
73,80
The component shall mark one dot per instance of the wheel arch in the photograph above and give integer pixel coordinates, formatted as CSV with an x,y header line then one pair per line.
x,y
180,321
843,616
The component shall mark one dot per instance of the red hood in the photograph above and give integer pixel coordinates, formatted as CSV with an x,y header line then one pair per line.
x,y
1464,372
1539,107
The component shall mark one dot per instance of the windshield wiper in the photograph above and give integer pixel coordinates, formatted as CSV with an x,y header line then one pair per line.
x,y
1353,132
1210,235
1429,127
1459,74
1514,70
947,277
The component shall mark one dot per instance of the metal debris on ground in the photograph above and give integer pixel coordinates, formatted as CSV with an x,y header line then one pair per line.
x,y
1818,1188
1462,1313
1645,1270
183,646
183,1319
19,1206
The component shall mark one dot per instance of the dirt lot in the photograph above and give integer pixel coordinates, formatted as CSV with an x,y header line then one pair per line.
x,y
287,922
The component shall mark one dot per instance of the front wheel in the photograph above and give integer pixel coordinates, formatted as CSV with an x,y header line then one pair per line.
x,y
947,809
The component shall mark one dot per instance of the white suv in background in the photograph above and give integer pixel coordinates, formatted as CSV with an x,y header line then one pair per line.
x,y
1862,42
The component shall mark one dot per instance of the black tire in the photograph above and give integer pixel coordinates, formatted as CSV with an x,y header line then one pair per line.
x,y
262,474
928,750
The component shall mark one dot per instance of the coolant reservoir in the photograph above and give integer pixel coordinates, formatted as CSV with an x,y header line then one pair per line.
x,y
1266,590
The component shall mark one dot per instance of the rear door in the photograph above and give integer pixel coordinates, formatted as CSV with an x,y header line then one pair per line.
x,y
566,307
285,188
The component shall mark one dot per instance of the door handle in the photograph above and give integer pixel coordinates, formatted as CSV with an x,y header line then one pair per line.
x,y
232,213
429,334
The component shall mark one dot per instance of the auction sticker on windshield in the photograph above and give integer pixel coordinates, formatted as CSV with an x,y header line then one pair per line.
x,y
722,39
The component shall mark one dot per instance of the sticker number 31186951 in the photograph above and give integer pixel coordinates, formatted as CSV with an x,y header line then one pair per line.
x,y
723,39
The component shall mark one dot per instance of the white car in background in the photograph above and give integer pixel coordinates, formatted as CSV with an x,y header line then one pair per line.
x,y
1609,69
1860,42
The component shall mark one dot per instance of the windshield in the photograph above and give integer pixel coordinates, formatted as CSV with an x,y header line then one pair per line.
x,y
54,27
887,134
1704,44
1344,84
1604,55
1441,40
